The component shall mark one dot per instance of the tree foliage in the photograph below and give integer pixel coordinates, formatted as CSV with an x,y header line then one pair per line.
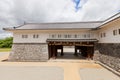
x,y
6,43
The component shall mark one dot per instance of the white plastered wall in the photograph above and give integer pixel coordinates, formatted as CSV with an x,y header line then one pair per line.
x,y
45,34
108,29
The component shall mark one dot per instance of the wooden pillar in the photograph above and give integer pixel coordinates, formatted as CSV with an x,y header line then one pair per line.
x,y
53,51
84,51
90,52
62,51
79,50
49,49
56,47
75,51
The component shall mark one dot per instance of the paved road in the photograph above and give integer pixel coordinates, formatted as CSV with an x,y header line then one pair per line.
x,y
97,74
3,53
31,73
59,69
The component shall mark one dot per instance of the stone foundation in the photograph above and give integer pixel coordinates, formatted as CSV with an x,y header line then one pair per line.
x,y
108,54
29,52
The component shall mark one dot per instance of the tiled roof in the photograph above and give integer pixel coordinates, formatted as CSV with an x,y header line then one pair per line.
x,y
112,18
66,25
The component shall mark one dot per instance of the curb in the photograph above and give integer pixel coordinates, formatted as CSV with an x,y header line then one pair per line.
x,y
109,68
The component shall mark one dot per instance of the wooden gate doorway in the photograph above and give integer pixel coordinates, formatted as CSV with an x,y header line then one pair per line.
x,y
85,51
82,48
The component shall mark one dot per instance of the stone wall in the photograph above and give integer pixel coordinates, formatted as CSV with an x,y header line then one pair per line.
x,y
108,54
29,52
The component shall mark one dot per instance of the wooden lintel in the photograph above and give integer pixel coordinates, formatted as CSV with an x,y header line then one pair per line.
x,y
87,42
58,44
70,43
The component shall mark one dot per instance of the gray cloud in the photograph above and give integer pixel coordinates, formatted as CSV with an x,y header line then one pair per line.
x,y
15,12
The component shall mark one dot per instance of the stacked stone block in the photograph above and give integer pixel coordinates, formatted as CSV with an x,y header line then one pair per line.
x,y
108,54
29,52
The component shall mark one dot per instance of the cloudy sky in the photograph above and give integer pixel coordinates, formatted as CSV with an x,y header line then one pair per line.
x,y
16,12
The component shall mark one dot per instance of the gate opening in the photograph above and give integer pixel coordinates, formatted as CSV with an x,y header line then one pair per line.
x,y
70,50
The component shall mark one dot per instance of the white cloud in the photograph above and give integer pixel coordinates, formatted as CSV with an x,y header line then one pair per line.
x,y
15,12
4,35
99,9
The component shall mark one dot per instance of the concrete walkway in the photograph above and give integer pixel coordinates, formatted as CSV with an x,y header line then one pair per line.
x,y
97,74
31,73
4,55
59,69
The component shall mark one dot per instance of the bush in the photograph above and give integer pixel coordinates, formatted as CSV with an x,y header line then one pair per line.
x,y
6,43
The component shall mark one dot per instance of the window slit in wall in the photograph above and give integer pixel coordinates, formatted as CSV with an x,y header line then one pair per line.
x,y
59,36
114,32
53,36
84,35
24,36
75,36
65,36
69,36
102,35
119,31
35,36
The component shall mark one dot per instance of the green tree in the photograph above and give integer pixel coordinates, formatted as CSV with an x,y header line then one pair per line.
x,y
6,43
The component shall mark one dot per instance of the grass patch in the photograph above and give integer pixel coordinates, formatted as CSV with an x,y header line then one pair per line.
x,y
5,49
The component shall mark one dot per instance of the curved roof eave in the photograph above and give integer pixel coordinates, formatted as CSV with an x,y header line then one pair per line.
x,y
110,19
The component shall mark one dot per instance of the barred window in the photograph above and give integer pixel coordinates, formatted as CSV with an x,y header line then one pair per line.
x,y
75,36
69,36
119,31
35,36
114,32
59,36
53,36
84,35
103,35
24,36
65,36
